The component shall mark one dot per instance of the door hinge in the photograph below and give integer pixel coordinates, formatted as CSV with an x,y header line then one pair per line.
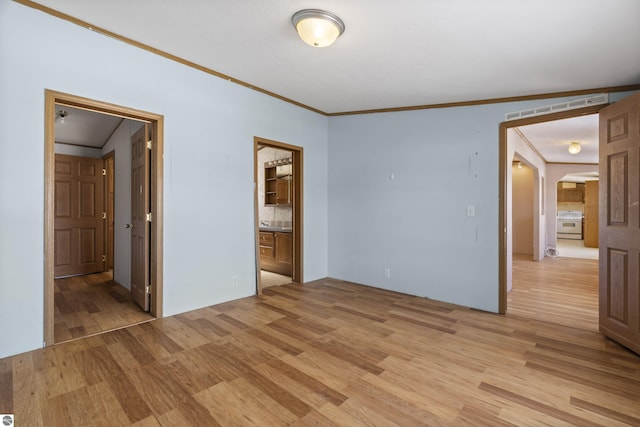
x,y
104,258
147,289
104,172
149,144
149,217
104,215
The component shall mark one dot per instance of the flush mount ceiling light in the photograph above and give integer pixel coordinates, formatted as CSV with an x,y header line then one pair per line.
x,y
575,147
316,27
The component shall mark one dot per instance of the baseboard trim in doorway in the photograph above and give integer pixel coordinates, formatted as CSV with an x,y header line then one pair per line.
x,y
106,331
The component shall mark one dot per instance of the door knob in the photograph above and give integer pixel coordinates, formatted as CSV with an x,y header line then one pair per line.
x,y
131,226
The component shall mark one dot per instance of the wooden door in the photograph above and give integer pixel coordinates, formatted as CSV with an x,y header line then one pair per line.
x,y
109,166
619,288
284,253
283,191
78,216
591,214
140,226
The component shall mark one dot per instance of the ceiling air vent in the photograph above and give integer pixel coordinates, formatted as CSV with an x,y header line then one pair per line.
x,y
602,98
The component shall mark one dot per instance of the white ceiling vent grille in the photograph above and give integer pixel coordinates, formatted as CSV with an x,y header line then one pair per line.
x,y
602,98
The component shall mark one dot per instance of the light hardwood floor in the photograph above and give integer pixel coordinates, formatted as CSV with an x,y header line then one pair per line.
x,y
324,354
90,304
559,290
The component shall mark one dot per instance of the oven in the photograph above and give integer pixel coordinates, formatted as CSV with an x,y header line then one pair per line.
x,y
569,225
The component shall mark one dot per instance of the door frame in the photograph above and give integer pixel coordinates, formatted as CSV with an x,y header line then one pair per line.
x,y
298,185
502,190
53,98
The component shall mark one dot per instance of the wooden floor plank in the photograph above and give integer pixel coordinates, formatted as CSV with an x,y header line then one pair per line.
x,y
309,382
126,394
537,406
315,419
6,386
274,342
27,399
605,411
350,354
477,417
335,353
342,416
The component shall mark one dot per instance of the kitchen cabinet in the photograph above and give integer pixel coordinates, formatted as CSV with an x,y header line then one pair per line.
x,y
284,251
283,191
575,195
591,216
278,182
266,248
276,252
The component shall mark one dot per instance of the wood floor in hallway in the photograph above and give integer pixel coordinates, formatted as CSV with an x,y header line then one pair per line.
x,y
562,291
90,304
328,353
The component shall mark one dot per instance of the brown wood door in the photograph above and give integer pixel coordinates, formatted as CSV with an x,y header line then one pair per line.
x,y
140,226
78,216
283,191
619,289
591,214
109,166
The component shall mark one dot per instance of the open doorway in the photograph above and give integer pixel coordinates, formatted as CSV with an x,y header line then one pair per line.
x,y
278,213
92,257
91,233
549,268
578,214
561,288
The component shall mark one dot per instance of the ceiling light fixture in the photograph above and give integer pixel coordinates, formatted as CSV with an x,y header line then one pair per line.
x,y
316,27
519,165
61,115
575,147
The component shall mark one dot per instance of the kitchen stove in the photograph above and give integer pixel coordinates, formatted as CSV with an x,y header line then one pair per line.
x,y
569,225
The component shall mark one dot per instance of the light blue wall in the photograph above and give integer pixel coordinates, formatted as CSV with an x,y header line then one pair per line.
x,y
416,224
208,184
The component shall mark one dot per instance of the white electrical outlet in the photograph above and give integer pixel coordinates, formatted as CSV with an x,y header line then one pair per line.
x,y
471,210
234,280
387,273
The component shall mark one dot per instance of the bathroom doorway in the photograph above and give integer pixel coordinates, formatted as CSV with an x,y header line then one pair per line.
x,y
278,213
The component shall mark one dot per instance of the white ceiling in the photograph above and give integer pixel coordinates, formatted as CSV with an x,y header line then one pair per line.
x,y
84,128
552,139
393,53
